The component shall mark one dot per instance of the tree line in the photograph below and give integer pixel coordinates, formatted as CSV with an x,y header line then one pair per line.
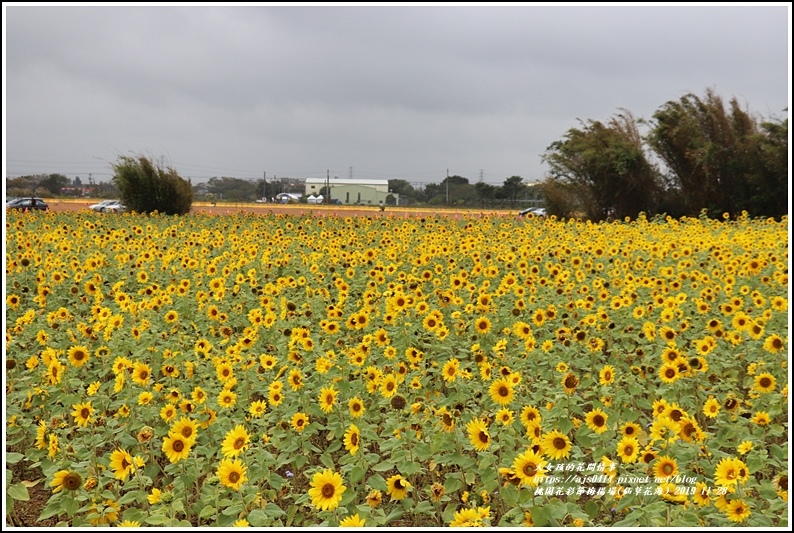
x,y
696,156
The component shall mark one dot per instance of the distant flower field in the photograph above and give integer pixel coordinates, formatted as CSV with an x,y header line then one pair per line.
x,y
274,370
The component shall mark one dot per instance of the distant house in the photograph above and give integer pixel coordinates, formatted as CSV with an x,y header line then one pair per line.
x,y
351,191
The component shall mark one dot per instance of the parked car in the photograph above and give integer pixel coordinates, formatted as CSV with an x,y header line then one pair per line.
x,y
98,207
28,203
114,207
534,211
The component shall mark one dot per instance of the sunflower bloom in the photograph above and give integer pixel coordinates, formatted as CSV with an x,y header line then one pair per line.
x,y
83,413
231,473
596,420
397,487
352,439
326,490
352,521
176,447
556,445
235,442
628,449
737,511
478,435
122,464
529,468
65,479
327,398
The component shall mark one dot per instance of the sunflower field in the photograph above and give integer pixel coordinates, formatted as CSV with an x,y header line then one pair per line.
x,y
324,370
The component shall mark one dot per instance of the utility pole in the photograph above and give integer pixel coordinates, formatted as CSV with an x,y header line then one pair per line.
x,y
328,183
447,181
264,185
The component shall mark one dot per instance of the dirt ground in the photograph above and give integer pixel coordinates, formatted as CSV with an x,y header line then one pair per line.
x,y
61,205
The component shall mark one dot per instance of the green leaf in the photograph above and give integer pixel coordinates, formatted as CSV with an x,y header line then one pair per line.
x,y
129,497
273,510
540,516
156,519
356,474
409,469
327,461
14,457
207,512
510,495
591,508
71,506
383,467
19,492
257,518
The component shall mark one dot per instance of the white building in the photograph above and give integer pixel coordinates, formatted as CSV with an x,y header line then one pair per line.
x,y
351,191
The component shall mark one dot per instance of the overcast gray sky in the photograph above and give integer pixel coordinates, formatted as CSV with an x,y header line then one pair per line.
x,y
383,91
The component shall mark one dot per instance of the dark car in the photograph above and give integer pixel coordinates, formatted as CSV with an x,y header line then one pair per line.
x,y
28,203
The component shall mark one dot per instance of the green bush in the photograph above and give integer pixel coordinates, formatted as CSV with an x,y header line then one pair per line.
x,y
145,187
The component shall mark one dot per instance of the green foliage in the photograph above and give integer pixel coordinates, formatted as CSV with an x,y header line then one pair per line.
x,y
721,159
604,166
146,188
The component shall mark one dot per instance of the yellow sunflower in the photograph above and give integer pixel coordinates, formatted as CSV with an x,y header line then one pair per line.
x,y
78,355
478,434
501,391
505,416
141,372
665,467
66,479
397,487
235,442
299,421
326,490
482,325
352,521
607,375
231,473
556,445
596,420
176,447
227,399
529,468
352,439
761,418
737,511
628,449
450,370
122,464
83,413
388,385
356,407
327,398
187,428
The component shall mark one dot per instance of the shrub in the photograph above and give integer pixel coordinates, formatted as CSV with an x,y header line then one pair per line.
x,y
145,187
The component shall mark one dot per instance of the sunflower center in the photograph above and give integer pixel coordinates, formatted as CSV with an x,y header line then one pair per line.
x,y
390,386
398,484
559,443
530,469
239,443
598,421
504,391
178,446
765,382
85,412
234,477
484,438
667,469
570,382
328,490
628,450
354,439
72,481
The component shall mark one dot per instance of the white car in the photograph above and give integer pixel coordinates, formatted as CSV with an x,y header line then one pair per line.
x,y
98,207
114,207
534,211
